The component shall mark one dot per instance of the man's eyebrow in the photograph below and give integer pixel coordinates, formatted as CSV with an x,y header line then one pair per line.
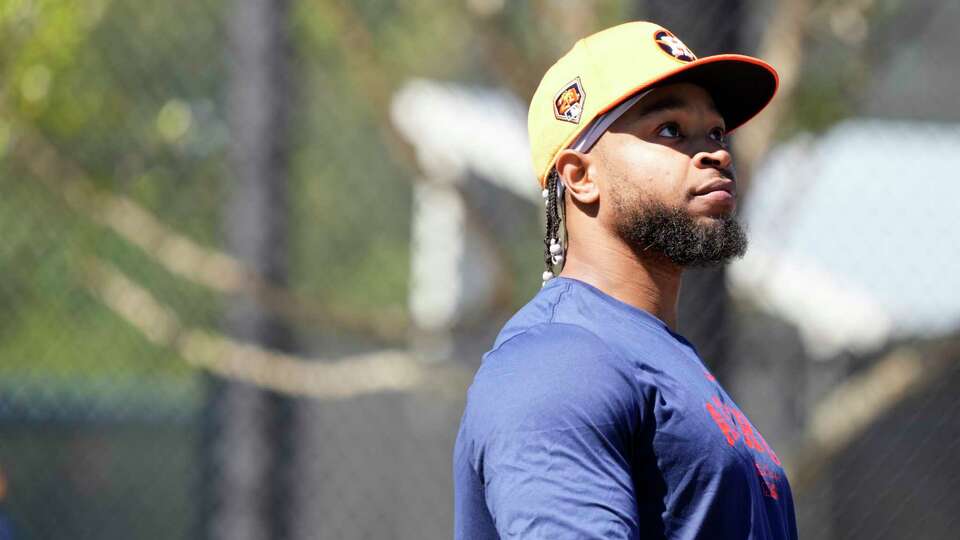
x,y
667,103
663,104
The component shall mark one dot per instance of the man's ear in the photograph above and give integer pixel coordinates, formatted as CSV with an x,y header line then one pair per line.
x,y
575,171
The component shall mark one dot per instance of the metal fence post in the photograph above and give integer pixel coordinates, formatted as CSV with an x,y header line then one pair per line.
x,y
248,430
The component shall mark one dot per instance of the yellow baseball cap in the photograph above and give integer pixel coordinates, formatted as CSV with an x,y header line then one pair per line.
x,y
606,69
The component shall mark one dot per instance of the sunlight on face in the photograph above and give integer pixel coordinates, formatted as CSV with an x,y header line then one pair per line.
x,y
670,147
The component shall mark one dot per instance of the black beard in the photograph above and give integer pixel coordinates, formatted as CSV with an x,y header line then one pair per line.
x,y
655,227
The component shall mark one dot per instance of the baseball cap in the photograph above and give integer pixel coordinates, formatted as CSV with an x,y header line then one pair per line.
x,y
605,73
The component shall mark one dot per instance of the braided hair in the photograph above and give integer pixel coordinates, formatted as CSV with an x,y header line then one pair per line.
x,y
552,247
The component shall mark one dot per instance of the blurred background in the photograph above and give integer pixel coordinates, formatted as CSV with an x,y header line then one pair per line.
x,y
252,252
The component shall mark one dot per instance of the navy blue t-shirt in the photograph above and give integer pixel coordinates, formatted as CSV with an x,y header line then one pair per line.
x,y
589,418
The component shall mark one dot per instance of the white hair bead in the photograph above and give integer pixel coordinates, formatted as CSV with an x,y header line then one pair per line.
x,y
548,275
545,193
557,259
555,248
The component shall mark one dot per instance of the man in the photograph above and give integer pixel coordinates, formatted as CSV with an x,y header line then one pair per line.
x,y
591,417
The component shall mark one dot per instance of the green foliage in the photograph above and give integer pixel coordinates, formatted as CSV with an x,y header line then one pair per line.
x,y
97,81
52,324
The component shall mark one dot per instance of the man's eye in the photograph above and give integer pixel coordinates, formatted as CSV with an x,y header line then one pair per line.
x,y
671,131
718,135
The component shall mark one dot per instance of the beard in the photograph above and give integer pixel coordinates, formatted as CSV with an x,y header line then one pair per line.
x,y
651,226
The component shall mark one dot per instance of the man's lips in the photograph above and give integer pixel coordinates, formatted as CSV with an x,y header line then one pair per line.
x,y
724,185
719,195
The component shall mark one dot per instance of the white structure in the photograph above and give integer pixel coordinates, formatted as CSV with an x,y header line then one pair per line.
x,y
458,133
853,235
457,129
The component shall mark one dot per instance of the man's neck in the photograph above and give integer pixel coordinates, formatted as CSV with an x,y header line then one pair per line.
x,y
651,283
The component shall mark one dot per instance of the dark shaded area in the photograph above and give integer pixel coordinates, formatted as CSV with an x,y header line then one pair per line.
x,y
97,478
901,478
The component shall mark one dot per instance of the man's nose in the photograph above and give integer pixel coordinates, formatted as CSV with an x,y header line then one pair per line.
x,y
716,159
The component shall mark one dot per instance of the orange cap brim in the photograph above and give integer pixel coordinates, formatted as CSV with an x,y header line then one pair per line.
x,y
741,86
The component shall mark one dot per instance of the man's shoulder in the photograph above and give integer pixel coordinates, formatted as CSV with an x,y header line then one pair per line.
x,y
563,340
545,376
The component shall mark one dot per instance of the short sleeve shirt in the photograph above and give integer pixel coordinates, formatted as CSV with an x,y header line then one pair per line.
x,y
590,418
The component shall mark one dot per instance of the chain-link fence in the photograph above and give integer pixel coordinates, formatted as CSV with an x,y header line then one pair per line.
x,y
253,252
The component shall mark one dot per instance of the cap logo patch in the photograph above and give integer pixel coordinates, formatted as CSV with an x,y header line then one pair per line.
x,y
672,45
568,103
